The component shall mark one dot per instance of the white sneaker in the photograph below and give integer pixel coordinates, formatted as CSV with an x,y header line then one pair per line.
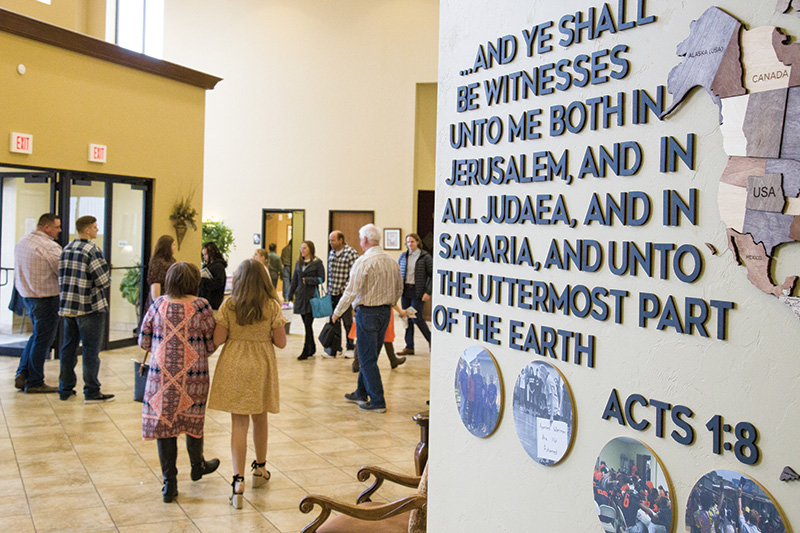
x,y
349,354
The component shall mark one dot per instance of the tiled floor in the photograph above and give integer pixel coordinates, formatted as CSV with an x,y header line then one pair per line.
x,y
66,466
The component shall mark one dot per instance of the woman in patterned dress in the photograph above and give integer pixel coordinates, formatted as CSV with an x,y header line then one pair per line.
x,y
245,384
179,330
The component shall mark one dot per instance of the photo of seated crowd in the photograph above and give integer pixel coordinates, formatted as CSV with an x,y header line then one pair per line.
x,y
479,391
631,491
724,501
543,412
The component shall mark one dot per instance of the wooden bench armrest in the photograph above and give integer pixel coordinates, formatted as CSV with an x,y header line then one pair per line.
x,y
378,512
380,475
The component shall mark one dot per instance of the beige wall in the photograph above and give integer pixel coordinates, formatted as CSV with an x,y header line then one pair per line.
x,y
425,141
153,127
84,16
317,106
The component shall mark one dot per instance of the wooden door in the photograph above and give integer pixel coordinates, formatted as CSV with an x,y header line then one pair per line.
x,y
349,222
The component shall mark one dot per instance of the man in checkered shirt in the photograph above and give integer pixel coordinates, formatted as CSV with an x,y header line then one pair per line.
x,y
36,280
84,277
340,261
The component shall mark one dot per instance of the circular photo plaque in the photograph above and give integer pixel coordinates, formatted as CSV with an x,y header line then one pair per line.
x,y
631,489
479,391
724,500
543,412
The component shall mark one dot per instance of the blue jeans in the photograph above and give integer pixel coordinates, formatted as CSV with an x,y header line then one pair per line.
x,y
88,330
286,278
409,299
371,324
43,313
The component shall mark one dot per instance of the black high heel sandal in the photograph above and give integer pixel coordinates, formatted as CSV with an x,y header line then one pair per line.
x,y
260,474
237,498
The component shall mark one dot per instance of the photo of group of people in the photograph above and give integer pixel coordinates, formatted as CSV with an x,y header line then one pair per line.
x,y
631,491
724,501
543,412
479,391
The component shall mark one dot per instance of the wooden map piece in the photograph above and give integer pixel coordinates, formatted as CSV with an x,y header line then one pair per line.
x,y
728,81
763,123
789,474
771,229
783,6
754,257
734,111
788,54
790,143
794,228
790,169
732,203
702,53
763,71
765,193
739,169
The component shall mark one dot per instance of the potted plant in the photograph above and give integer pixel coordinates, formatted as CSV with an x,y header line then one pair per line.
x,y
220,234
183,215
130,287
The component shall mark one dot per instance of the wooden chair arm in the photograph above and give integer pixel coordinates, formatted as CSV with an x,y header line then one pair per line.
x,y
378,512
380,475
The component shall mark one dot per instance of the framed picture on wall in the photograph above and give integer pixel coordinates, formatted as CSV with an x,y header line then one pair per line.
x,y
391,238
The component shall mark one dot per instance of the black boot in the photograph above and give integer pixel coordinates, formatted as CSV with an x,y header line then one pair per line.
x,y
168,455
200,466
393,359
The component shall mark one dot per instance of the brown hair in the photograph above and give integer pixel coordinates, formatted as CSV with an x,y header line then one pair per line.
x,y
47,219
310,249
252,292
163,249
414,236
263,253
182,279
84,222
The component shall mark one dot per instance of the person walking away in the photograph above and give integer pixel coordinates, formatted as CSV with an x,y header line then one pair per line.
x,y
179,330
416,267
375,285
246,378
340,260
274,264
286,271
84,279
163,257
36,257
308,274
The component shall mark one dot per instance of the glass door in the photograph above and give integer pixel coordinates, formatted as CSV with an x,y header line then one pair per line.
x,y
24,196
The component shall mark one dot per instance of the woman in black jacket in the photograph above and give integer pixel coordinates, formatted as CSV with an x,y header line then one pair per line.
x,y
212,280
308,274
417,288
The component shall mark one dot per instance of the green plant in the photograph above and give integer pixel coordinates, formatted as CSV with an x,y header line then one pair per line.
x,y
131,284
217,232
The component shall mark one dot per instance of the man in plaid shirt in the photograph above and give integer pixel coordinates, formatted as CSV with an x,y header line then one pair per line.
x,y
340,261
84,278
36,280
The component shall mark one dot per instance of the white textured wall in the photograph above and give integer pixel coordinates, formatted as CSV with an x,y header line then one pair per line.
x,y
316,109
491,484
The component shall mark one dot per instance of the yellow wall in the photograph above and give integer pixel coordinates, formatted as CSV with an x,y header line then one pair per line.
x,y
153,126
84,16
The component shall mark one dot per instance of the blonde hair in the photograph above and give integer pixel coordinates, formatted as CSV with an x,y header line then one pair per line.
x,y
252,292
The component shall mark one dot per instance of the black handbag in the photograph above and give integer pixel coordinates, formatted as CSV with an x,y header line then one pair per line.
x,y
140,371
330,335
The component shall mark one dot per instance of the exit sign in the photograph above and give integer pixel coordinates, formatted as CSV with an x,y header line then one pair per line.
x,y
97,153
21,143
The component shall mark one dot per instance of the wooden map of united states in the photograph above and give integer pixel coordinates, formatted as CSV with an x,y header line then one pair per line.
x,y
750,76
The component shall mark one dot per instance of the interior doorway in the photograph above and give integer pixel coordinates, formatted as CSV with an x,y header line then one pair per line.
x,y
122,206
284,228
349,222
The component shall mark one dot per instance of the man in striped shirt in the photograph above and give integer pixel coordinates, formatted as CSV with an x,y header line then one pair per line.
x,y
375,286
84,278
36,280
